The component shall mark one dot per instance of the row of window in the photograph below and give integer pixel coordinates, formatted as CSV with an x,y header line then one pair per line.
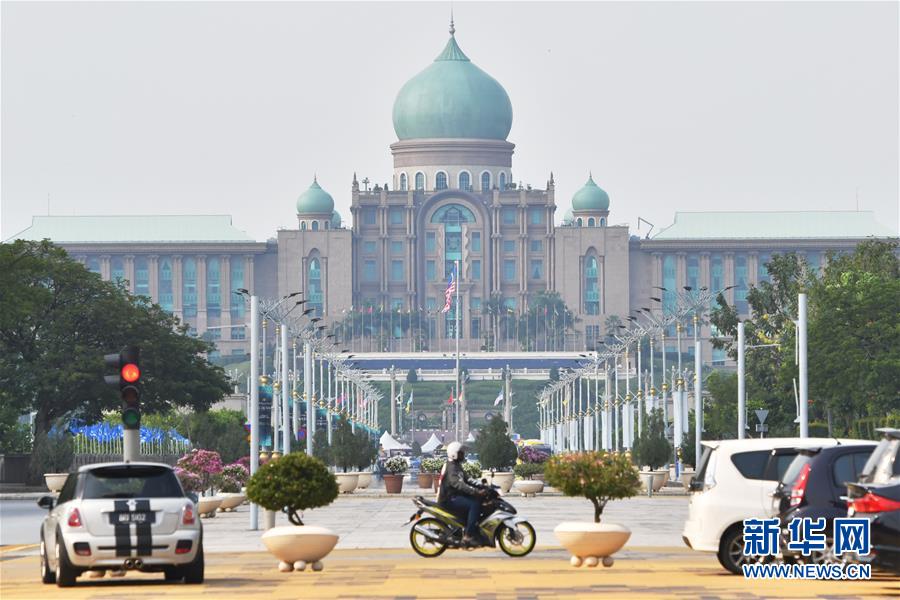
x,y
314,225
591,222
463,181
397,272
397,216
397,248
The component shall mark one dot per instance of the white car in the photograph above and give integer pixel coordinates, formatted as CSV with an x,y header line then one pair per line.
x,y
121,516
735,481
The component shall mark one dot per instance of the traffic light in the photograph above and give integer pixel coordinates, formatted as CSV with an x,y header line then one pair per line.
x,y
127,378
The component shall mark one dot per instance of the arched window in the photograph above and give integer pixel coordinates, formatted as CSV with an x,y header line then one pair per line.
x,y
578,221
591,286
402,182
117,269
453,214
502,181
164,284
420,181
315,225
303,225
591,222
213,288
189,286
602,221
315,297
327,224
485,181
440,181
465,182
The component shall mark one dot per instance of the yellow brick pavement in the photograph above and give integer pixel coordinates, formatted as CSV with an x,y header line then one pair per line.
x,y
399,574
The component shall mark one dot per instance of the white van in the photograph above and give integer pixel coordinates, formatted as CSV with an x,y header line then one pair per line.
x,y
734,481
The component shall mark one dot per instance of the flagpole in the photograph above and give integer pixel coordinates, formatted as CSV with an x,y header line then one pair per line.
x,y
458,424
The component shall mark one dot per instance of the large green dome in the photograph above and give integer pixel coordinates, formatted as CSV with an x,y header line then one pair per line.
x,y
452,98
315,200
590,197
335,220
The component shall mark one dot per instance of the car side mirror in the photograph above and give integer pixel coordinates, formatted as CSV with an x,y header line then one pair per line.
x,y
47,502
696,485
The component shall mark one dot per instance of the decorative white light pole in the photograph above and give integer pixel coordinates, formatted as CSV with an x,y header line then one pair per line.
x,y
804,381
741,391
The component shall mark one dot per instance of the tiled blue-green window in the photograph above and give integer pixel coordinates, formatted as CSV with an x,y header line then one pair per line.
x,y
693,271
396,247
509,270
591,286
396,270
141,276
740,283
536,215
476,241
237,281
669,282
762,271
537,269
485,181
429,242
440,181
166,297
476,270
93,264
189,286
315,299
370,273
465,181
213,288
429,270
716,272
117,269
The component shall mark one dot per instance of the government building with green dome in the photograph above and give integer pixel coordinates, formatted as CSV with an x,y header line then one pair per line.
x,y
378,276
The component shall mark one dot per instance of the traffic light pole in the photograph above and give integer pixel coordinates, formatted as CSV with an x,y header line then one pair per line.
x,y
254,401
131,444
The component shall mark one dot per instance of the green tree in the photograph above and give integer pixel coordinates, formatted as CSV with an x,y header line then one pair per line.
x,y
219,430
321,449
598,476
52,453
343,445
495,449
545,323
15,437
366,450
652,448
412,376
57,320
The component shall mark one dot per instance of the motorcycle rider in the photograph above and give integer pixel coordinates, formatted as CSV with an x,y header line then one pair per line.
x,y
457,493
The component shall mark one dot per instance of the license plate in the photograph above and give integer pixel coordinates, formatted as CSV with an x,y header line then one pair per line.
x,y
131,517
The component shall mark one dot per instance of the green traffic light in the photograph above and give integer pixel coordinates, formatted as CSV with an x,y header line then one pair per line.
x,y
131,418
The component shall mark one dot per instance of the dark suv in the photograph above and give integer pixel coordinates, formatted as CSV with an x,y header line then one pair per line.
x,y
815,486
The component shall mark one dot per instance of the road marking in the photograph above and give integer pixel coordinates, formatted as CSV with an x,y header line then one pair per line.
x,y
17,547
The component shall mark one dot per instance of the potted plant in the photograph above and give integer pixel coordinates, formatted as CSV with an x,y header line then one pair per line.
x,y
599,476
525,484
344,451
473,469
230,482
396,467
497,453
428,469
534,456
292,484
653,450
366,453
51,458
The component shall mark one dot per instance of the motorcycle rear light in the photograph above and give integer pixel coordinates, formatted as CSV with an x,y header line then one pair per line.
x,y
187,515
872,503
183,546
74,518
799,490
82,549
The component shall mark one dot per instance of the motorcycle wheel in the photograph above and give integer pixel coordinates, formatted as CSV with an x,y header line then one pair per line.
x,y
519,541
422,544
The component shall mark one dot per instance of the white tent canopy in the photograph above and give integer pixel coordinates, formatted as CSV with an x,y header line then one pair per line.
x,y
471,438
432,444
389,443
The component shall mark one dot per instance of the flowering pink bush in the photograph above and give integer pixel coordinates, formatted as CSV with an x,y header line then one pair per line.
x,y
532,455
232,478
244,462
205,464
191,482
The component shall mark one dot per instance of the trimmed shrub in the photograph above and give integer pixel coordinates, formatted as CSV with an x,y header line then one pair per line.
x,y
293,483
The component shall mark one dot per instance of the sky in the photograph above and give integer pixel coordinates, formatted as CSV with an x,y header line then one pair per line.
x,y
231,108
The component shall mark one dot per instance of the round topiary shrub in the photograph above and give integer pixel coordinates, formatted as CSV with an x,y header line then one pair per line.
x,y
599,476
292,484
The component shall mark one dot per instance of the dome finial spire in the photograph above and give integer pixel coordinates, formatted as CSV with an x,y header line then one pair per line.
x,y
452,27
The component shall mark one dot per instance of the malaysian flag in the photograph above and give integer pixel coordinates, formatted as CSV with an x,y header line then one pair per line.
x,y
448,295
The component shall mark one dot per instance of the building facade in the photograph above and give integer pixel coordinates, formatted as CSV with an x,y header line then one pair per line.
x,y
452,206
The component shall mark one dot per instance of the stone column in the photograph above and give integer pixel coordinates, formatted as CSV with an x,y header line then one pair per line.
x,y
104,268
657,269
680,270
705,277
752,268
728,275
153,274
248,273
201,294
177,288
323,265
129,271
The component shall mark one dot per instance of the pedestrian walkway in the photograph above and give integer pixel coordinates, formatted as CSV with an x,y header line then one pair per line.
x,y
637,573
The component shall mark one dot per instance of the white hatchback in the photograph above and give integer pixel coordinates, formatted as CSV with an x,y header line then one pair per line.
x,y
735,481
120,516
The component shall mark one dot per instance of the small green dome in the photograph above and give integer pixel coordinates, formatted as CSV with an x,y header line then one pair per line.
x,y
452,98
590,197
568,218
315,200
335,219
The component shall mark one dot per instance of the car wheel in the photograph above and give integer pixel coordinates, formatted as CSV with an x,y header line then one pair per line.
x,y
66,573
47,574
173,574
193,571
731,551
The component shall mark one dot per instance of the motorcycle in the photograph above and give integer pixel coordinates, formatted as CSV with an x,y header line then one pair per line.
x,y
498,524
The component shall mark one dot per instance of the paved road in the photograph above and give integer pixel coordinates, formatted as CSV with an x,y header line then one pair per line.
x,y
637,573
375,522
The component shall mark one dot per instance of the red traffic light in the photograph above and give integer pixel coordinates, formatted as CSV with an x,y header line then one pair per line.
x,y
131,373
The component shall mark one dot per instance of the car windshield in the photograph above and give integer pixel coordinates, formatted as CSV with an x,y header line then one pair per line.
x,y
706,470
793,470
129,481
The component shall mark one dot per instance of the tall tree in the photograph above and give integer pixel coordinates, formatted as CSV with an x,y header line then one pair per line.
x,y
57,320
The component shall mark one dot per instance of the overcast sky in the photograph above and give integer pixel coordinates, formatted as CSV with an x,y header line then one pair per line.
x,y
229,108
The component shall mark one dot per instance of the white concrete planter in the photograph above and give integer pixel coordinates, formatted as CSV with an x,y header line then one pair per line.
x,y
591,543
686,478
365,480
347,481
659,479
296,546
529,487
207,505
646,480
504,479
230,501
55,481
